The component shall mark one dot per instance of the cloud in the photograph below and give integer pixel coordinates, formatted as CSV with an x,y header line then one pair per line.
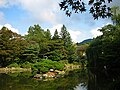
x,y
74,34
7,3
41,10
95,32
3,3
58,27
10,27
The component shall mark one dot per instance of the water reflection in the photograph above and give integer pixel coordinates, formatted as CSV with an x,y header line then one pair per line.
x,y
80,87
73,80
104,79
92,79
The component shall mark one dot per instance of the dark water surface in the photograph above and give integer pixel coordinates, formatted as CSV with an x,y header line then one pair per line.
x,y
73,80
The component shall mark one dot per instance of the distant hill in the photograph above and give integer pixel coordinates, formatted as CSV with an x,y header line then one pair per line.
x,y
85,41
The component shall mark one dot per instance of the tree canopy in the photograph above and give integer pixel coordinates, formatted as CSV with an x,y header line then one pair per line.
x,y
98,8
38,44
105,49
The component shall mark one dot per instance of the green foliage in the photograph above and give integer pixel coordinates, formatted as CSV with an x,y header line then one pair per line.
x,y
13,65
36,45
44,69
12,45
26,65
56,55
37,39
98,8
58,66
104,50
45,65
48,34
70,48
116,15
56,36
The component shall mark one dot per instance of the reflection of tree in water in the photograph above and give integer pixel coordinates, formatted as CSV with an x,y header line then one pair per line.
x,y
104,79
22,81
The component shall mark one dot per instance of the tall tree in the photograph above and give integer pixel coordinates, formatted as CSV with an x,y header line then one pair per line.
x,y
48,34
68,44
65,35
104,50
56,35
12,45
37,39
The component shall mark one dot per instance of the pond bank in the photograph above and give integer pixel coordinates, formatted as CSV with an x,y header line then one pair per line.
x,y
72,66
13,70
57,73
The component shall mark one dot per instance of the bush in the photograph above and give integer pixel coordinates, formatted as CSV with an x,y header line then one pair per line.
x,y
58,66
13,65
44,69
45,65
26,65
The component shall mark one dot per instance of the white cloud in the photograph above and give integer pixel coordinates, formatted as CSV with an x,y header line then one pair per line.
x,y
3,3
74,34
42,10
10,27
95,32
58,27
6,3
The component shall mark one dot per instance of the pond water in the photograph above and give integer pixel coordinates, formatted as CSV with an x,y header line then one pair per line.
x,y
73,80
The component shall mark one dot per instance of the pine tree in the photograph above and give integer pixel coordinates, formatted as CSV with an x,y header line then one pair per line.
x,y
48,34
68,44
56,36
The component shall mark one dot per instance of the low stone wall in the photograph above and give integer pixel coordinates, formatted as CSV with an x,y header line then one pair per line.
x,y
13,70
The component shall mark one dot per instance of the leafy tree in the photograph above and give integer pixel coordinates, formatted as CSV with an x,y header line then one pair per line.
x,y
56,50
48,34
104,50
68,44
12,45
65,36
98,8
116,15
56,35
37,37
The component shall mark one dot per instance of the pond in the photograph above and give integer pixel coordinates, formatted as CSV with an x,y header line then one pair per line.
x,y
81,79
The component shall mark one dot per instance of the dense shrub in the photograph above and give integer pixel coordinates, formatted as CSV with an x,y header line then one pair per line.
x,y
58,66
45,65
13,65
26,65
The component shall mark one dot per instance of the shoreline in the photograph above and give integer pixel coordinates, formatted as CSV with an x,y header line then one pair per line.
x,y
13,70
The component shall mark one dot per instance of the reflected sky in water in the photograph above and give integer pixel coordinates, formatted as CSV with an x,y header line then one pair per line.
x,y
80,87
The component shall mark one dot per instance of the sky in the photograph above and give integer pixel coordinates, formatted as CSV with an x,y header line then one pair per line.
x,y
19,15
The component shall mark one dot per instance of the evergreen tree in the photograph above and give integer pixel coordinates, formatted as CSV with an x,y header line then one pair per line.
x,y
38,39
65,36
56,36
68,44
48,34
